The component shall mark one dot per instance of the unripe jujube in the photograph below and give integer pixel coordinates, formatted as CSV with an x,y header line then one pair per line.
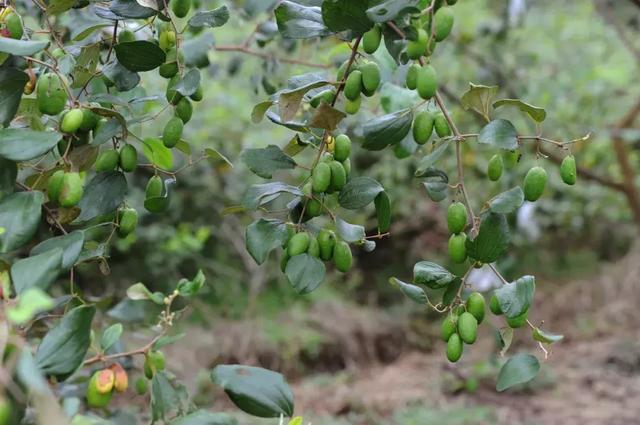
x,y
342,256
476,306
342,148
427,83
128,158
107,160
456,217
298,244
568,170
534,183
457,249
353,85
50,94
71,191
422,127
494,168
467,327
371,39
454,348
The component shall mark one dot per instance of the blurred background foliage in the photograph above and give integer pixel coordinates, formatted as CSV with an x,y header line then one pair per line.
x,y
578,59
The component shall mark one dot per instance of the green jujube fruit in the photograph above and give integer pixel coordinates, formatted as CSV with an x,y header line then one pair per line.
x,y
427,83
14,25
54,185
383,211
299,244
467,327
168,70
476,306
518,321
456,217
89,120
321,177
411,80
457,249
128,158
325,96
173,96
441,126
180,8
313,208
314,247
449,327
326,242
495,167
172,132
127,221
353,85
443,20
107,160
510,159
154,188
50,94
534,183
95,398
141,386
494,305
342,148
71,121
283,261
370,78
568,171
126,36
352,107
371,39
184,110
422,127
342,257
6,413
71,191
347,166
338,175
198,95
416,48
454,348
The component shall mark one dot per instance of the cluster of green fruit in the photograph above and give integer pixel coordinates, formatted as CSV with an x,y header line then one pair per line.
x,y
536,178
324,246
103,383
461,325
425,122
456,222
10,24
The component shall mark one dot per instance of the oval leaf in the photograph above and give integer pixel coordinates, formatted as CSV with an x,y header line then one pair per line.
x,y
518,369
305,273
499,133
19,217
492,240
387,130
139,56
23,144
536,113
516,297
359,192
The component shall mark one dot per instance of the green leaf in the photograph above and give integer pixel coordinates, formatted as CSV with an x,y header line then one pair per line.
x,y
196,50
383,211
260,194
189,288
168,340
204,417
103,195
359,192
71,244
110,336
305,273
515,298
390,10
105,132
56,7
506,338
507,202
429,160
546,337
139,55
451,292
8,174
432,275
138,292
289,100
536,113
23,144
264,162
479,98
131,9
519,369
257,114
29,304
394,98
123,79
326,117
164,397
84,32
436,183
37,271
19,217
21,47
413,292
259,392
297,21
157,153
210,18
499,133
189,84
342,15
264,235
63,348
492,240
387,130
349,232
12,82
159,204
